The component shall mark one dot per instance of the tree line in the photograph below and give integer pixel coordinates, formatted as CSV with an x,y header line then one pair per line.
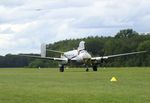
x,y
124,41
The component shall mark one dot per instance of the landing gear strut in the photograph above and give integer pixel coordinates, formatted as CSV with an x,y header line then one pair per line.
x,y
87,69
61,69
95,68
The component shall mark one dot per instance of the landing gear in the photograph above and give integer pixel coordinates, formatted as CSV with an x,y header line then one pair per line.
x,y
95,68
87,69
61,69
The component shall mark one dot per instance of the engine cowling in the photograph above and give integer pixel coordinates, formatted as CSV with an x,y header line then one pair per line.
x,y
64,62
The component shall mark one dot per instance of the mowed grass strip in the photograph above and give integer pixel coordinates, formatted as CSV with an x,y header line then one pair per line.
x,y
74,85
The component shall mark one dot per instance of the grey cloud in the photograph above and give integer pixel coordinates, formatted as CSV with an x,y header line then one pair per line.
x,y
98,22
62,19
11,3
6,31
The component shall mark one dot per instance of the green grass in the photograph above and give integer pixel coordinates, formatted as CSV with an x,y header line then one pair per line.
x,y
75,86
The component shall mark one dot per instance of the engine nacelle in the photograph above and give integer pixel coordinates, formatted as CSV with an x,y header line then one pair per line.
x,y
65,62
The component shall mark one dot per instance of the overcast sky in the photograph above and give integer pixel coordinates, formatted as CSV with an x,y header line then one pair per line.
x,y
25,24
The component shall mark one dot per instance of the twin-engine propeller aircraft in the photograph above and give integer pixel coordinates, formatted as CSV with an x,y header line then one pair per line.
x,y
79,56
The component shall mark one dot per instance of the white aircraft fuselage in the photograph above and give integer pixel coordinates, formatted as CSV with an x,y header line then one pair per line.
x,y
78,56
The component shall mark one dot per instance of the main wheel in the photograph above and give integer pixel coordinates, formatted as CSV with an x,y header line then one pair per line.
x,y
94,68
61,69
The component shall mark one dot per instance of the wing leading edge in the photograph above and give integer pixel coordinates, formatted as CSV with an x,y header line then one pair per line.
x,y
117,55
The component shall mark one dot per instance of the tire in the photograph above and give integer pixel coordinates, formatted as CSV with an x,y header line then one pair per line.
x,y
94,68
87,70
61,68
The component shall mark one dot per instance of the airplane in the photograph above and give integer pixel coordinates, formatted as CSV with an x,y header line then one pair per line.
x,y
79,56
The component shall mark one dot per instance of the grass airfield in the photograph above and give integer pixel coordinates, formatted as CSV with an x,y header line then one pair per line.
x,y
74,85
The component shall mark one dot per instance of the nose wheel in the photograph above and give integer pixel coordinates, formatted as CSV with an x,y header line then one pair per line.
x,y
87,69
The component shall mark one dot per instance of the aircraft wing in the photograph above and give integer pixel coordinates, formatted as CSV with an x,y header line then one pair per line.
x,y
48,58
117,55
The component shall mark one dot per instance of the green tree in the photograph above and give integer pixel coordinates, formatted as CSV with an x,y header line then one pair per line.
x,y
126,33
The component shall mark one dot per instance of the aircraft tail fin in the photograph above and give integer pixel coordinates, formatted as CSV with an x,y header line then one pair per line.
x,y
81,45
43,50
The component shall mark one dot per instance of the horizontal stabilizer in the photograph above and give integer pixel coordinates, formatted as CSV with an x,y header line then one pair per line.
x,y
48,58
55,51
